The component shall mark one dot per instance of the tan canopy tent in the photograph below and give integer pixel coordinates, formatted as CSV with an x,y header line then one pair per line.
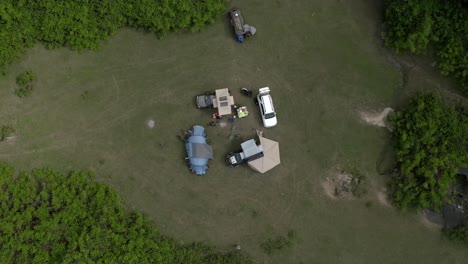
x,y
271,156
223,101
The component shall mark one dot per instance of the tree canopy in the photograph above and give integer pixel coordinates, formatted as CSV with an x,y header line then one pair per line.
x,y
80,24
431,144
48,217
415,25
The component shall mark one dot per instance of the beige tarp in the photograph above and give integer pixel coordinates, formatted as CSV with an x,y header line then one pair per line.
x,y
223,101
271,156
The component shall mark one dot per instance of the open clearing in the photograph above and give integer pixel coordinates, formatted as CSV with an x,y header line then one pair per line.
x,y
323,63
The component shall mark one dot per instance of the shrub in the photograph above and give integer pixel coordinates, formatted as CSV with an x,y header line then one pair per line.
x,y
25,78
48,217
24,91
459,233
25,82
83,24
431,144
415,25
273,245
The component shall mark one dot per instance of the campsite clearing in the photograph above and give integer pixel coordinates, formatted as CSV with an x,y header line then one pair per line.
x,y
325,66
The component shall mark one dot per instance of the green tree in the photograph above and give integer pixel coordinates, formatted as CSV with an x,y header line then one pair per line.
x,y
431,144
415,25
48,217
83,24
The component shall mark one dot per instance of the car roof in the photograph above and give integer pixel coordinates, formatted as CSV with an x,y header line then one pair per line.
x,y
268,103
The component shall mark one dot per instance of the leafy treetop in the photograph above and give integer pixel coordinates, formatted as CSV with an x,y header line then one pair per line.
x,y
431,144
48,217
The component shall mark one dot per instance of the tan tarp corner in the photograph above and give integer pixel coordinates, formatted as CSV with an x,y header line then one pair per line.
x,y
271,156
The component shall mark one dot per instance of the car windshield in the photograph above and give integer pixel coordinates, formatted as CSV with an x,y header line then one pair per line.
x,y
208,100
269,115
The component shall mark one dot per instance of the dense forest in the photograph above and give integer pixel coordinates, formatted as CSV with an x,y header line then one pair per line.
x,y
48,217
431,144
436,26
81,24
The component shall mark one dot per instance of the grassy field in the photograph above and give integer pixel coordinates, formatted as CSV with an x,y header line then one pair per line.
x,y
324,65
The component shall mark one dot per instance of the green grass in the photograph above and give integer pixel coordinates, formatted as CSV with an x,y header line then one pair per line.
x,y
322,62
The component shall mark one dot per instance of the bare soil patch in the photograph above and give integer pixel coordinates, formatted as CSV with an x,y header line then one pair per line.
x,y
382,197
380,119
342,185
151,123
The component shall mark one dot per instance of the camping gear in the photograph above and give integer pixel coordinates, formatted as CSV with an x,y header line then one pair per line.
x,y
271,155
242,112
223,101
250,151
241,30
198,151
246,92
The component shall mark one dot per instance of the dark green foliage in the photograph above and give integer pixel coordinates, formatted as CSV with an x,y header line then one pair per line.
x,y
80,24
273,245
25,82
459,233
431,144
415,25
24,91
25,78
47,217
6,132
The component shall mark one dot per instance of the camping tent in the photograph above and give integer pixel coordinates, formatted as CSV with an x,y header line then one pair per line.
x,y
198,152
271,156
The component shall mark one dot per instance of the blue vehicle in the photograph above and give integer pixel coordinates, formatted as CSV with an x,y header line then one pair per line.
x,y
198,151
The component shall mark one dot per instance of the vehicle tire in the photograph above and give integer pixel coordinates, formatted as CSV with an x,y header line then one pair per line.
x,y
248,34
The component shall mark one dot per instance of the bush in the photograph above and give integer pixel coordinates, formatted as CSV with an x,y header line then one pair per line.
x,y
431,144
25,78
273,245
459,233
48,217
415,25
83,24
25,82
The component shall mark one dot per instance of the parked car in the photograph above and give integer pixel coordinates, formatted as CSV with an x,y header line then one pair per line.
x,y
249,151
205,101
267,110
241,30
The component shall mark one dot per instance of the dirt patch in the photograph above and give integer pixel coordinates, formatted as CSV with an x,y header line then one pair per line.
x,y
342,185
382,197
329,188
378,119
151,123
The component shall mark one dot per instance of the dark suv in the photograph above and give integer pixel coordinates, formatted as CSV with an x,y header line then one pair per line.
x,y
205,101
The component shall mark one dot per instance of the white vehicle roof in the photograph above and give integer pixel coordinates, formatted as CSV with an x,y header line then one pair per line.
x,y
264,90
267,102
250,148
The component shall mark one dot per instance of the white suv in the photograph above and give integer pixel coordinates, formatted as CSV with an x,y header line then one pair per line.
x,y
266,107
